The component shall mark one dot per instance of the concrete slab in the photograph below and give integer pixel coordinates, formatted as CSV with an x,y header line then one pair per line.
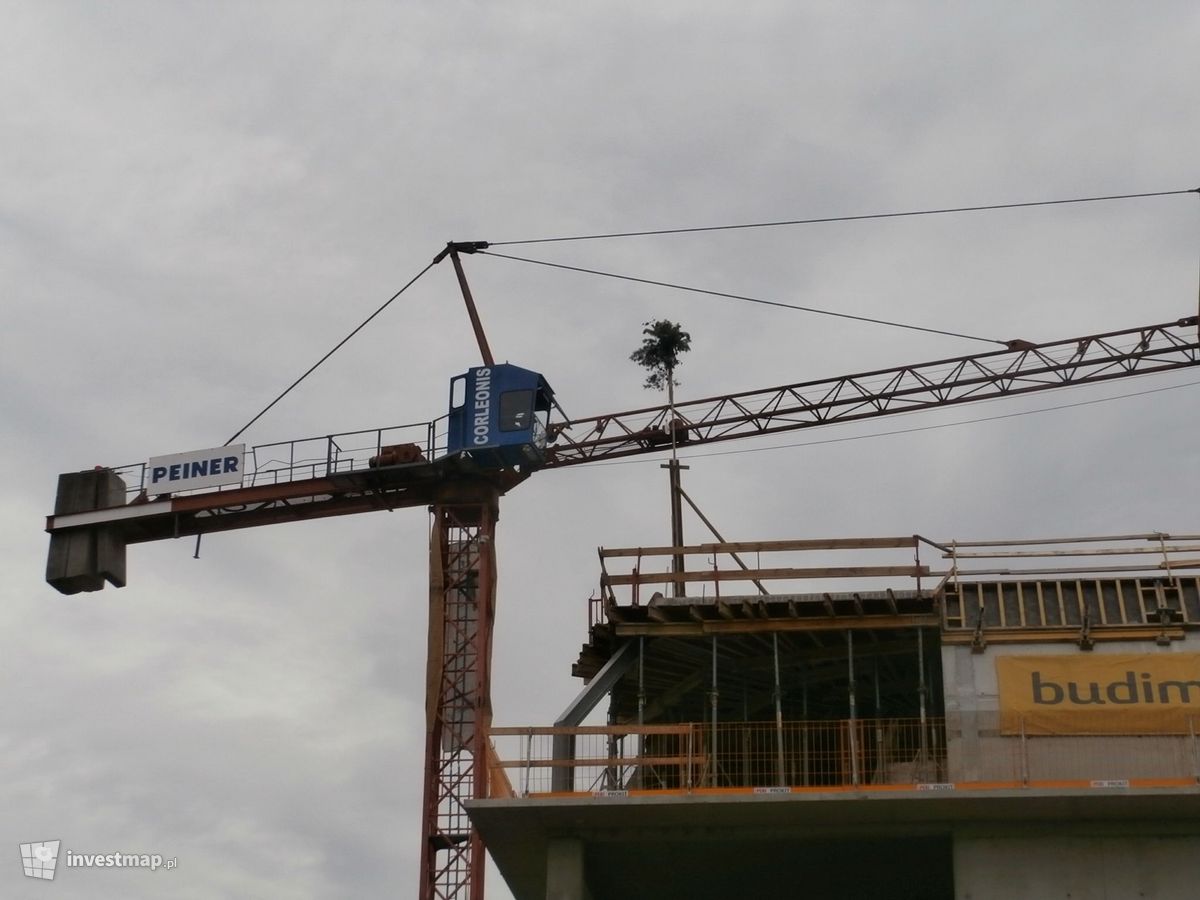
x,y
659,839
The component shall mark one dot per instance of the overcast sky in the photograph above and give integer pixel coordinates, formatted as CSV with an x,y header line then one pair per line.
x,y
197,200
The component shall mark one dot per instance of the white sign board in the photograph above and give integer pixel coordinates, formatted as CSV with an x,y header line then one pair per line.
x,y
198,469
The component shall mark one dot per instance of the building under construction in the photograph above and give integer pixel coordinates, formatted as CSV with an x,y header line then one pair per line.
x,y
874,717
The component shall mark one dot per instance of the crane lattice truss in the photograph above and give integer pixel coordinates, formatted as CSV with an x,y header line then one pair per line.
x,y
1022,369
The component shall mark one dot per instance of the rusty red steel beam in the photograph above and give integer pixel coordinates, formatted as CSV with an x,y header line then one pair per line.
x,y
998,373
312,498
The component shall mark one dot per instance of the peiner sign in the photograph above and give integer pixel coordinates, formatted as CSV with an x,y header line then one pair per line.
x,y
197,469
1100,693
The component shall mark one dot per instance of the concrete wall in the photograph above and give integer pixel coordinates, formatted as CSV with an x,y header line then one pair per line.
x,y
976,751
1079,867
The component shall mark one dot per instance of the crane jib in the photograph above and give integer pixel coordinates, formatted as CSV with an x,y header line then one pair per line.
x,y
497,427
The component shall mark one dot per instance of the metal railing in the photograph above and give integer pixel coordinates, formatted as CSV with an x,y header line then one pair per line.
x,y
862,754
691,756
637,576
319,457
1081,582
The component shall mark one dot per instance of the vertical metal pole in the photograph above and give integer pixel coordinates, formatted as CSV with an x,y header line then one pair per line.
x,y
677,563
528,758
880,761
922,689
804,733
917,561
713,696
781,775
641,698
690,757
854,777
673,468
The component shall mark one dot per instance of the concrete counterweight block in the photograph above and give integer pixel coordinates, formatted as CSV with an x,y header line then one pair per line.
x,y
82,559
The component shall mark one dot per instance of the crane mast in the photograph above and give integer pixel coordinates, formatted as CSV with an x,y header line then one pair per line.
x,y
462,491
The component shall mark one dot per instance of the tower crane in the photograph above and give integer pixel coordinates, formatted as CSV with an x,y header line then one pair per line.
x,y
498,430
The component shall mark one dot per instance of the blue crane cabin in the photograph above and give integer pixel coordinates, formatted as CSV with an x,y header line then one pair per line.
x,y
498,416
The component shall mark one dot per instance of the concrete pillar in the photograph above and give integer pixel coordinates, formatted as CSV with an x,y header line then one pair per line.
x,y
564,870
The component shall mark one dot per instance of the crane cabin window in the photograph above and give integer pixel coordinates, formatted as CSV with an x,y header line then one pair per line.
x,y
458,392
516,410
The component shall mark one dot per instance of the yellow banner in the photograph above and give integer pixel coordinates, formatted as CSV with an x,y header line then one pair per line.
x,y
1097,693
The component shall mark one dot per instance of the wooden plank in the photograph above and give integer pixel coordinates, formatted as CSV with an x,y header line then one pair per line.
x,y
767,574
882,543
1107,551
1012,574
1079,540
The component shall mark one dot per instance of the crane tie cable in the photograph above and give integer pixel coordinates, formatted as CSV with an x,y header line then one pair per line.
x,y
727,296
859,218
335,349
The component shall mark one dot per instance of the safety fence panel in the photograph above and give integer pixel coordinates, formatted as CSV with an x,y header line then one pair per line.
x,y
966,752
734,754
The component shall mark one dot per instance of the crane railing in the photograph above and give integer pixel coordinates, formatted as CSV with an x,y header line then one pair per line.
x,y
283,462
